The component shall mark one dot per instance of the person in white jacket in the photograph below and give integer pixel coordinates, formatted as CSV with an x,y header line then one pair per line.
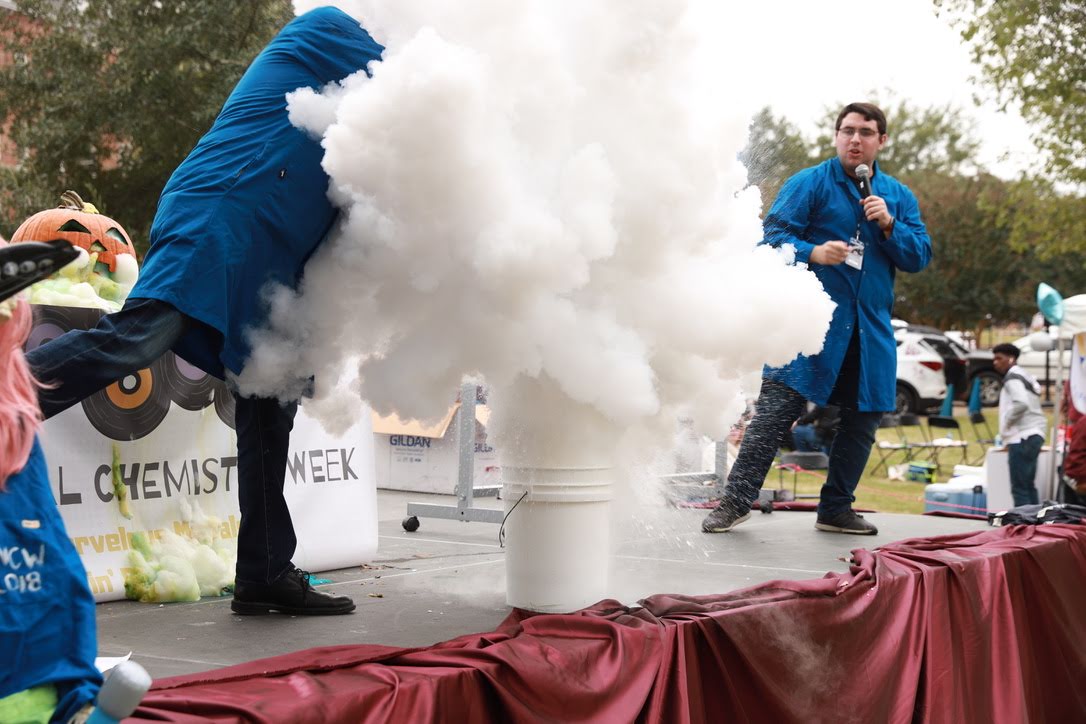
x,y
1021,423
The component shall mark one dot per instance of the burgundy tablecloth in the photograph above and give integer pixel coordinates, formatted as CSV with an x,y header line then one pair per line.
x,y
978,627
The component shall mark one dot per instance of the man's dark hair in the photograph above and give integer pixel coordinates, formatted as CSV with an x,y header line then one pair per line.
x,y
1008,349
869,111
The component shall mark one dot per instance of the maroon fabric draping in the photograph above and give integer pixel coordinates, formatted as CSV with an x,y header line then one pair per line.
x,y
978,627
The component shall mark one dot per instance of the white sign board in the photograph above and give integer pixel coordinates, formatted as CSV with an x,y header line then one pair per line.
x,y
426,459
184,455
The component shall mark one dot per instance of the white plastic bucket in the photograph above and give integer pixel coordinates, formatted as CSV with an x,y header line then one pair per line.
x,y
557,536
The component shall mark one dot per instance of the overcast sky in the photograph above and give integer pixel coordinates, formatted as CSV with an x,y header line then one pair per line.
x,y
820,52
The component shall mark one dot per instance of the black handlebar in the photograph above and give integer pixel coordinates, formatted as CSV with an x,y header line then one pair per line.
x,y
24,263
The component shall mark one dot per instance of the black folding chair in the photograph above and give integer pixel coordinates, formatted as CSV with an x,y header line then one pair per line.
x,y
909,449
941,444
800,462
982,431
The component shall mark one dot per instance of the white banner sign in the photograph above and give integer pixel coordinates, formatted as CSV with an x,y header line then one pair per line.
x,y
162,437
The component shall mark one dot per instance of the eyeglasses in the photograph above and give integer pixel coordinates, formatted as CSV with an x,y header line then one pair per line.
x,y
849,132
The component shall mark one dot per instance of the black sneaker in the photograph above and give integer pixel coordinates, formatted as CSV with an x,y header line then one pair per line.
x,y
290,594
848,521
722,519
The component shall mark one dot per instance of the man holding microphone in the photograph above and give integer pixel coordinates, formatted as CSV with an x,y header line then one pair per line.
x,y
855,227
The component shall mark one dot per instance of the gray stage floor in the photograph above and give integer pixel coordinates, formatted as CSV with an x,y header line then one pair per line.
x,y
448,578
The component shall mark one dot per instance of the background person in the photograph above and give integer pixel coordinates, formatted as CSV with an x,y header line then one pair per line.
x,y
246,208
814,431
1074,461
1021,422
816,211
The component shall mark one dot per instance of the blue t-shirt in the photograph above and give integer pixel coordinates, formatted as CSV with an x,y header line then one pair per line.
x,y
48,633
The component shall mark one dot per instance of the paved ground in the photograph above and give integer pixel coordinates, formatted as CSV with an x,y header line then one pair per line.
x,y
448,579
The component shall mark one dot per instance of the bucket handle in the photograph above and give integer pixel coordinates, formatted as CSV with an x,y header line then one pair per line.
x,y
501,531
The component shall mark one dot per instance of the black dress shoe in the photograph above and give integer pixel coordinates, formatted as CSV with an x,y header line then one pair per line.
x,y
290,594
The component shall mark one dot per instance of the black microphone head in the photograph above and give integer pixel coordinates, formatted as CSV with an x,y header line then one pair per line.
x,y
863,172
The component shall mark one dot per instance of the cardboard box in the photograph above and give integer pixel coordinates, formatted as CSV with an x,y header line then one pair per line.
x,y
425,459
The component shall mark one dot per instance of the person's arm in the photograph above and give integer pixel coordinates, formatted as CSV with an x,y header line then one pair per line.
x,y
1074,465
904,237
1018,405
810,416
788,219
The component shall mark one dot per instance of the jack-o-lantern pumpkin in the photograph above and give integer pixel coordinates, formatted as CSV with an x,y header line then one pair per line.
x,y
81,225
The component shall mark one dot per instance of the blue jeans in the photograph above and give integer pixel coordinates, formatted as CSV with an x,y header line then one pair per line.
x,y
805,438
1022,463
777,408
79,363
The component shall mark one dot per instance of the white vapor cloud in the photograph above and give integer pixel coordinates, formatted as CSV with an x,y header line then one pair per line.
x,y
546,196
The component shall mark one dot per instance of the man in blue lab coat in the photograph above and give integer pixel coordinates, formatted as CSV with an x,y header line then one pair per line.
x,y
246,208
854,235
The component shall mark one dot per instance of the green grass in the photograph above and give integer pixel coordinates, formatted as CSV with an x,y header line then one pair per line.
x,y
876,491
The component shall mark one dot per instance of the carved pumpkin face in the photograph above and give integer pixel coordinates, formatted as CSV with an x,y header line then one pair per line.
x,y
80,225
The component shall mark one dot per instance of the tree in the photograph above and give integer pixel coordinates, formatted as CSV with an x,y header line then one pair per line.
x,y
973,272
1044,220
982,266
922,140
936,139
107,97
1034,52
775,150
977,270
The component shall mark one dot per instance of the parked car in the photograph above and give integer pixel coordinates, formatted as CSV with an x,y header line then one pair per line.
x,y
965,340
991,382
921,376
955,356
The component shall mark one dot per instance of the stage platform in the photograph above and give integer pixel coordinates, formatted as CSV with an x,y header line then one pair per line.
x,y
447,579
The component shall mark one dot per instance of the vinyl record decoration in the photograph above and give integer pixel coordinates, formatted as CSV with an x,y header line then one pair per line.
x,y
49,323
224,404
126,410
132,407
190,387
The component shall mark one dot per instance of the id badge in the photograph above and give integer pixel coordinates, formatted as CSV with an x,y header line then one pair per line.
x,y
855,258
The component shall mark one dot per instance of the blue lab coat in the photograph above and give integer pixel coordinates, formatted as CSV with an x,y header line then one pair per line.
x,y
822,204
249,204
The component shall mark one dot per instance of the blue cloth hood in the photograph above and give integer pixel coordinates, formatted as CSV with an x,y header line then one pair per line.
x,y
249,205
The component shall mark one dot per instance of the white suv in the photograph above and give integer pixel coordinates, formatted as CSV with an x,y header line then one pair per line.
x,y
921,381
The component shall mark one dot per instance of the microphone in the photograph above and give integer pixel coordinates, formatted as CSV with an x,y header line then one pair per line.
x,y
863,173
